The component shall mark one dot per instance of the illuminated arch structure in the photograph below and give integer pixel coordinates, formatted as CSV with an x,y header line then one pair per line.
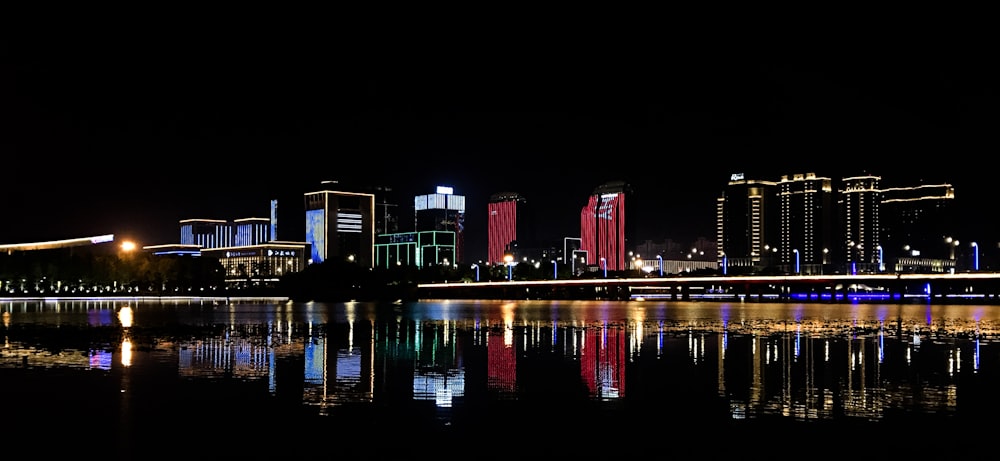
x,y
55,244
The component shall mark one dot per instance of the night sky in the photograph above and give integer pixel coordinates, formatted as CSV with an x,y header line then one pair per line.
x,y
102,133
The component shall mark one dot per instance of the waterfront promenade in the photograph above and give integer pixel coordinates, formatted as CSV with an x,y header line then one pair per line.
x,y
981,287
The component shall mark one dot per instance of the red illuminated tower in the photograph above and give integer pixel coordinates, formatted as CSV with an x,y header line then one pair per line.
x,y
503,222
602,227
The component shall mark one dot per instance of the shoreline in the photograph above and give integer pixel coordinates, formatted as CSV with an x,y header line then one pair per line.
x,y
228,299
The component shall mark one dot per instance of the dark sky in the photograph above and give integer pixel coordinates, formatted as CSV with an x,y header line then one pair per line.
x,y
105,133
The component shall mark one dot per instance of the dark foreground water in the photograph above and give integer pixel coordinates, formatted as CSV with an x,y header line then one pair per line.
x,y
496,380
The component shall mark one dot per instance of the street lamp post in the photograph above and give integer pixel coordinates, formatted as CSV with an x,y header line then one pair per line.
x,y
796,251
852,257
975,256
510,271
659,263
881,261
555,270
476,267
604,262
952,243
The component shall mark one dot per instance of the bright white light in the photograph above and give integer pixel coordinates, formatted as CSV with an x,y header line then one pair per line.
x,y
125,316
126,352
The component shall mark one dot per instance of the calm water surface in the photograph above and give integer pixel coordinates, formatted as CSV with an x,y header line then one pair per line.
x,y
496,379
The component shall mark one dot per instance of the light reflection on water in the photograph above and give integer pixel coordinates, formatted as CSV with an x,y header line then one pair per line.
x,y
719,361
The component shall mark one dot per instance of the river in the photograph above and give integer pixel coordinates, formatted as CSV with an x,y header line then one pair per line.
x,y
130,379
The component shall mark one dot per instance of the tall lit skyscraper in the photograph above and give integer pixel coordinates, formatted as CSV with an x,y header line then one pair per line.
x,y
603,227
859,203
502,225
746,224
341,224
806,203
442,211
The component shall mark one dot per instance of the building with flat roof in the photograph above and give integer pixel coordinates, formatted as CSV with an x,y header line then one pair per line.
x,y
340,225
208,233
860,203
504,216
442,211
251,231
260,264
603,227
807,221
918,230
747,217
420,249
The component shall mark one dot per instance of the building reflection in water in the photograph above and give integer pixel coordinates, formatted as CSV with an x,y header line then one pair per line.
x,y
807,362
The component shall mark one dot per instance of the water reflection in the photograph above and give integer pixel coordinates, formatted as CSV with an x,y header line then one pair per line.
x,y
715,361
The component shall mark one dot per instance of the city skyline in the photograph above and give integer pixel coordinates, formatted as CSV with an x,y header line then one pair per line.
x,y
99,139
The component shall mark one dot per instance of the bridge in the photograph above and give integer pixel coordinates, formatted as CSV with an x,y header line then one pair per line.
x,y
974,287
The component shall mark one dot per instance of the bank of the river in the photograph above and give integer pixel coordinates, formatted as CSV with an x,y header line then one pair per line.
x,y
209,299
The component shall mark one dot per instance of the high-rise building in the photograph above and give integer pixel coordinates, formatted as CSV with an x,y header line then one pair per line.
x,y
859,204
800,225
252,231
442,211
341,225
502,225
747,236
807,222
209,233
916,224
386,210
603,227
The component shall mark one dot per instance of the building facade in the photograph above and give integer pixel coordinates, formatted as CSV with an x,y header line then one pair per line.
x,y
603,227
502,222
208,233
917,228
420,249
747,217
442,211
259,264
806,204
340,224
859,207
252,231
